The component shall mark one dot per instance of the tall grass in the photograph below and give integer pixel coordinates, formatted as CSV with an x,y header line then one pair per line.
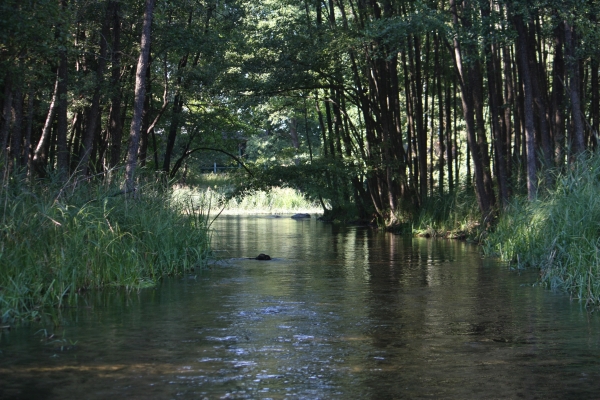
x,y
454,215
559,233
55,244
217,197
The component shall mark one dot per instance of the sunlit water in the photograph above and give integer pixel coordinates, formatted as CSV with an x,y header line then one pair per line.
x,y
339,313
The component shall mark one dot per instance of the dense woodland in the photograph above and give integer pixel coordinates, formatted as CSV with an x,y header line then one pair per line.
x,y
382,104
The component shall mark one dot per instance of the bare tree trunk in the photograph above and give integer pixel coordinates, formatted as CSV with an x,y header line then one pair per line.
x,y
61,109
595,102
495,99
558,82
39,154
528,109
538,86
441,127
468,78
94,112
115,125
5,127
26,160
17,131
578,144
509,96
140,94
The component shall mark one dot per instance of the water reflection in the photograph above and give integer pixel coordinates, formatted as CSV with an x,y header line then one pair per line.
x,y
340,313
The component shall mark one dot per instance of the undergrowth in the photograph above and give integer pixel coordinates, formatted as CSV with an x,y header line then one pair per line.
x,y
56,242
453,215
558,233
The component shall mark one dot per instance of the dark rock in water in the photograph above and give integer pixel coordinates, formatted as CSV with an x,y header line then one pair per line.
x,y
263,257
300,216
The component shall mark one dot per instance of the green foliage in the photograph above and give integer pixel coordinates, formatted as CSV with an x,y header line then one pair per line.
x,y
215,193
54,246
452,215
558,234
323,179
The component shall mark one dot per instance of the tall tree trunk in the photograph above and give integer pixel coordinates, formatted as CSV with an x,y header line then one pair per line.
x,y
449,143
497,135
140,94
17,131
115,124
538,86
558,87
466,81
40,156
577,142
94,111
419,115
26,160
509,96
6,119
528,108
441,127
595,102
61,109
145,133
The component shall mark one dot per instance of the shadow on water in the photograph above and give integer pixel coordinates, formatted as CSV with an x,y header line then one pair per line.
x,y
338,313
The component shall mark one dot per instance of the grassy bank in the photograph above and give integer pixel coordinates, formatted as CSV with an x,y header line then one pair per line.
x,y
56,242
559,233
215,193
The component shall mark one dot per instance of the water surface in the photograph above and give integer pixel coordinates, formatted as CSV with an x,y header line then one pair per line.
x,y
339,313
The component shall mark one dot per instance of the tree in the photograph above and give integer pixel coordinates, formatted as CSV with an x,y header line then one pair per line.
x,y
140,93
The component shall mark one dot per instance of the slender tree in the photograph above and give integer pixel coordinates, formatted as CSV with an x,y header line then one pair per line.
x,y
140,93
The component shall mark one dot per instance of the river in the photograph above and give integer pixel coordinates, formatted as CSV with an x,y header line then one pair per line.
x,y
339,313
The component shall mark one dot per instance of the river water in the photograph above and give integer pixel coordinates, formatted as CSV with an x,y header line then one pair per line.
x,y
339,313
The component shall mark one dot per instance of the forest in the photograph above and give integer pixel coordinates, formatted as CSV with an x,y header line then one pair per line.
x,y
378,110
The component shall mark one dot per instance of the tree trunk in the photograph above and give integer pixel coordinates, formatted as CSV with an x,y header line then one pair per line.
x,y
140,94
115,124
5,127
577,142
26,160
39,154
538,86
17,131
558,87
94,111
466,81
528,108
61,109
595,102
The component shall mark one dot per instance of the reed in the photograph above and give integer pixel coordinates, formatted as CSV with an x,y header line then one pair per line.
x,y
558,233
58,242
221,198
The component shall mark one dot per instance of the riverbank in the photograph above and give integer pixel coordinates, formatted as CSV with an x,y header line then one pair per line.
x,y
56,242
557,233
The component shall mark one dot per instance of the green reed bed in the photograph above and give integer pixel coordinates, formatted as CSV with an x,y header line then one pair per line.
x,y
559,233
55,244
274,201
